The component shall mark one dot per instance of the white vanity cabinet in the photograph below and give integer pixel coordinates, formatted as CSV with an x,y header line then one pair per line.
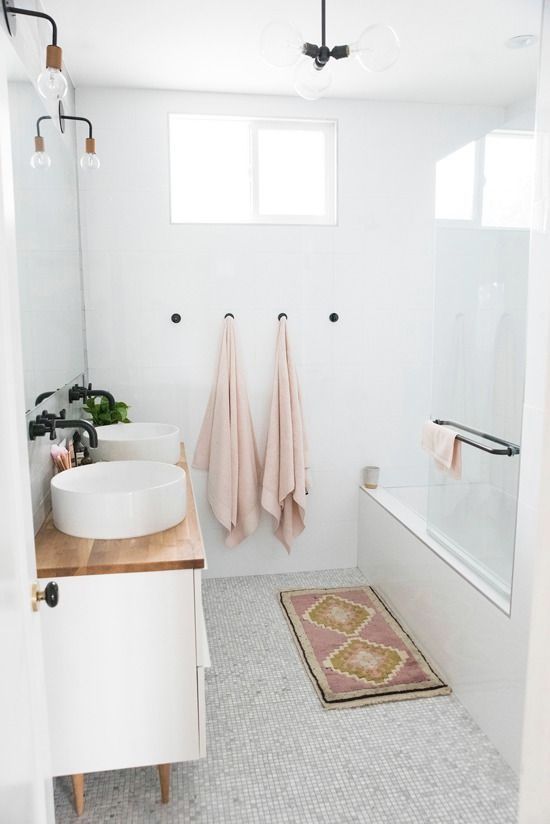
x,y
123,680
125,649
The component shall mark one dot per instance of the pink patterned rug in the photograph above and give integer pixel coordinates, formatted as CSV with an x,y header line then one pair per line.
x,y
354,650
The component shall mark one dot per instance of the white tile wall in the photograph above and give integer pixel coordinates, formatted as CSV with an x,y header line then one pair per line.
x,y
366,379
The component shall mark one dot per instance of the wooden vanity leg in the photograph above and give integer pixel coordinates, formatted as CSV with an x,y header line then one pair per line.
x,y
78,792
164,776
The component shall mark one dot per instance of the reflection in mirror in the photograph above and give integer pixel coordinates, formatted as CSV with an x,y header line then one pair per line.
x,y
484,193
48,243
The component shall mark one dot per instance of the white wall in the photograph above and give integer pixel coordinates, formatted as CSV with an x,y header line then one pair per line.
x,y
365,379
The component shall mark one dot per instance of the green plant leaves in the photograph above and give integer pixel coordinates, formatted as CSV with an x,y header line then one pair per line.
x,y
103,415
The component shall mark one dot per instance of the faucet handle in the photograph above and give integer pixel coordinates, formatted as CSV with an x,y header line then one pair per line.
x,y
43,423
77,393
36,430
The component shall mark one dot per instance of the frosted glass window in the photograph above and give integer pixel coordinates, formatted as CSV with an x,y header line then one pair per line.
x,y
252,170
455,184
508,173
291,172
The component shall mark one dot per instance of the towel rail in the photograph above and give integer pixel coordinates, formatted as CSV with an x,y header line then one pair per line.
x,y
509,449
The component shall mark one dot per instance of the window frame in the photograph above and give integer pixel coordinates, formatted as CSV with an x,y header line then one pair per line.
x,y
329,127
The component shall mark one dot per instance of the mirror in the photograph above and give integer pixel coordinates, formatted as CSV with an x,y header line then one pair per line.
x,y
48,244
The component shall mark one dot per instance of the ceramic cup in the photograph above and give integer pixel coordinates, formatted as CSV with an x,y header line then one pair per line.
x,y
370,476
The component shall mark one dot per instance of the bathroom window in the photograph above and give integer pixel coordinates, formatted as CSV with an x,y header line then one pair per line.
x,y
488,182
455,184
241,170
508,178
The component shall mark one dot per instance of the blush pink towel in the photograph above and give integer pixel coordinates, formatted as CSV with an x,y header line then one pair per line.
x,y
441,443
227,447
284,483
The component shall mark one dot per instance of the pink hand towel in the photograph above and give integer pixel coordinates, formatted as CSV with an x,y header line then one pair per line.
x,y
227,447
284,483
441,443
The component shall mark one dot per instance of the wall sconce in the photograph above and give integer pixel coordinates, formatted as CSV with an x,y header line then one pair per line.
x,y
40,158
89,160
51,82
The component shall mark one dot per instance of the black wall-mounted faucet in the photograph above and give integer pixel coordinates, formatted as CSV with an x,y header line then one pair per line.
x,y
48,422
61,423
82,393
43,424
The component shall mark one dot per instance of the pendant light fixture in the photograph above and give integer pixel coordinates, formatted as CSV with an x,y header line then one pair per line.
x,y
51,82
281,45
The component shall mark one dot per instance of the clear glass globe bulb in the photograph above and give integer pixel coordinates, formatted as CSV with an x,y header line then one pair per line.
x,y
377,49
312,83
280,44
52,84
41,160
89,162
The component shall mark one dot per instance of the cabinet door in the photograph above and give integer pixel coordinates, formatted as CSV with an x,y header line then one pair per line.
x,y
121,671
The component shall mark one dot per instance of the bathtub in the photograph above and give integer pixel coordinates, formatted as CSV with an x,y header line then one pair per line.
x,y
460,615
481,520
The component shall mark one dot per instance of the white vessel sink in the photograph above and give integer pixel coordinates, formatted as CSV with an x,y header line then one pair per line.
x,y
138,442
119,499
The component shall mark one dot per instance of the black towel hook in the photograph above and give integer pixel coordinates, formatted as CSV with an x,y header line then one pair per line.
x,y
229,315
283,315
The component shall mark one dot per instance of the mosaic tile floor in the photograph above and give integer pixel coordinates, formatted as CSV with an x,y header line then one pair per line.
x,y
276,757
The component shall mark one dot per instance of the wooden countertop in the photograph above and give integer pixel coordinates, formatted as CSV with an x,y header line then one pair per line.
x,y
182,547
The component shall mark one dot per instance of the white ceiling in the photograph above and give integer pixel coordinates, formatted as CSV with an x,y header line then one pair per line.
x,y
452,50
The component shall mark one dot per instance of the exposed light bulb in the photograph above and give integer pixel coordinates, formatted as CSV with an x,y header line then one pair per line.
x,y
41,160
280,44
52,84
89,162
377,49
310,82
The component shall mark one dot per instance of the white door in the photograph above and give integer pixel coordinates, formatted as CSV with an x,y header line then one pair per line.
x,y
25,777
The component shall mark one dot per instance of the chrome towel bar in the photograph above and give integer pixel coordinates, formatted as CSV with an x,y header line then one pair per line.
x,y
509,449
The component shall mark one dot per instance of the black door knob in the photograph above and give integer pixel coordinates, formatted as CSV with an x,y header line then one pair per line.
x,y
51,594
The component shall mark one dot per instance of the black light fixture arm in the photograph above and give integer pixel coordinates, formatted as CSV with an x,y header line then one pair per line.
x,y
39,121
81,119
42,15
322,54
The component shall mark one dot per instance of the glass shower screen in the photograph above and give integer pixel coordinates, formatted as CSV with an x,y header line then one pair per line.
x,y
483,218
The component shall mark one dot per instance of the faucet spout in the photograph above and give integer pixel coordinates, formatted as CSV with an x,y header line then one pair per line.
x,y
61,423
43,396
82,393
102,393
